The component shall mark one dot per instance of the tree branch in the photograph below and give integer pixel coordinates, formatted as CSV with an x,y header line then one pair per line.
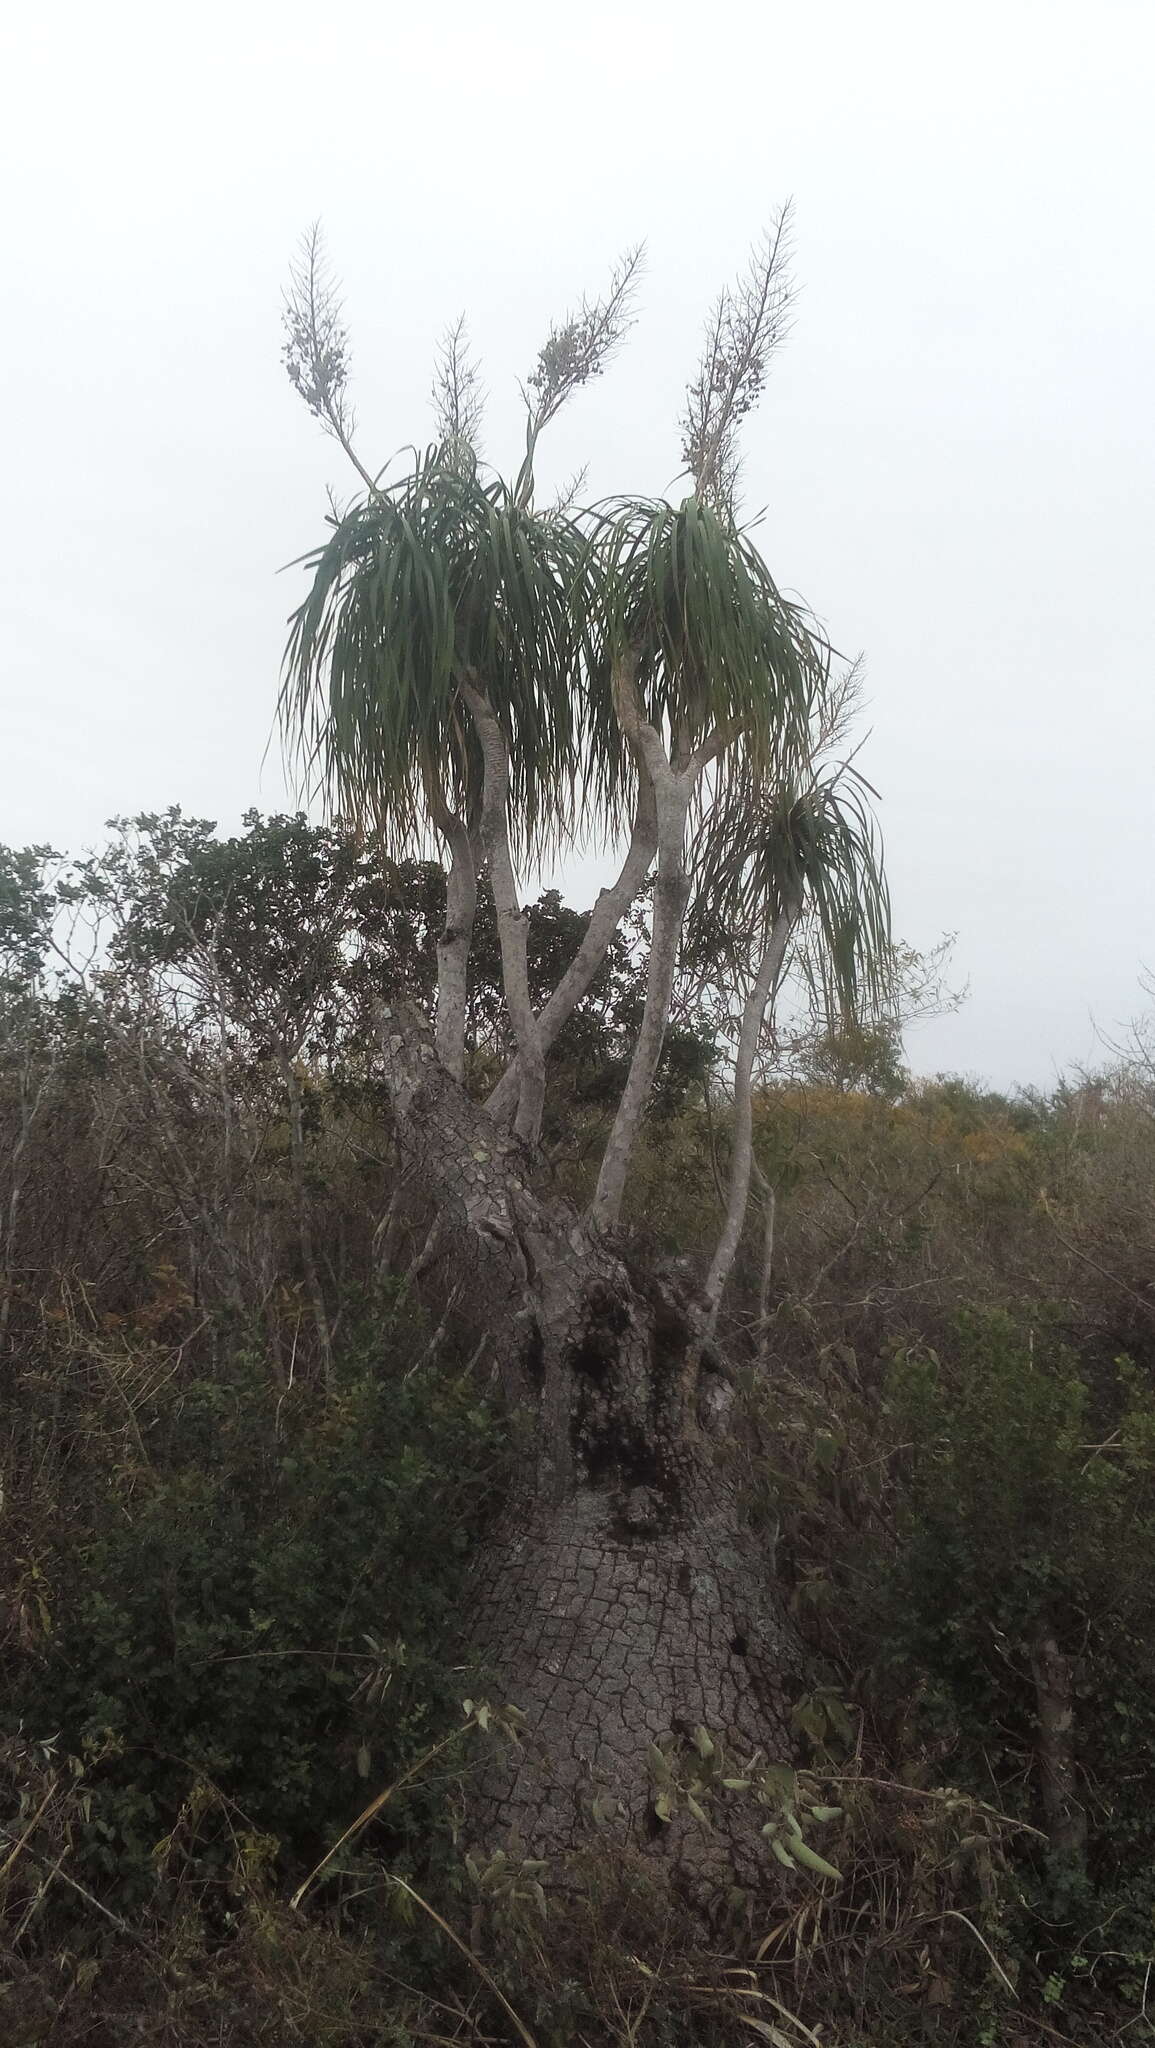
x,y
604,920
456,939
672,794
512,921
742,1142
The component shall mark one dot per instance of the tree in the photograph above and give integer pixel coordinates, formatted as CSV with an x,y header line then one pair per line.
x,y
811,853
502,677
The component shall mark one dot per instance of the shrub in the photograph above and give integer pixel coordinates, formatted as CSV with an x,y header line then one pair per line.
x,y
233,1599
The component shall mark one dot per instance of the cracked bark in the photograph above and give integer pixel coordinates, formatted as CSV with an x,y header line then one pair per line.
x,y
621,1598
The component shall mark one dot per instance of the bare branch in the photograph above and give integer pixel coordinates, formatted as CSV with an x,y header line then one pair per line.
x,y
748,322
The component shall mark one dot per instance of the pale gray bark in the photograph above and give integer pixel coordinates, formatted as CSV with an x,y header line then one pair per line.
x,y
673,789
455,942
671,896
742,1138
604,919
512,921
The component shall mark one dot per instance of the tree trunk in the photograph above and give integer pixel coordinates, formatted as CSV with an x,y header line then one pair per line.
x,y
456,938
674,777
613,1619
604,920
512,921
1054,1699
620,1600
671,895
742,1136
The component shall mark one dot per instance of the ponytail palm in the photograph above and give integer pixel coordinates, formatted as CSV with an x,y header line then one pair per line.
x,y
463,662
429,681
511,680
706,666
713,648
439,579
776,849
782,854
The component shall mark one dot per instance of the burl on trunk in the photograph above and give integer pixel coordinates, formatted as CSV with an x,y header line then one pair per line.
x,y
621,1600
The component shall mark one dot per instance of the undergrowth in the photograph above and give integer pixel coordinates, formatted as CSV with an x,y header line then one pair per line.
x,y
249,1442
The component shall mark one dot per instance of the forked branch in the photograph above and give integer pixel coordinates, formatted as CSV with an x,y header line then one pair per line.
x,y
604,920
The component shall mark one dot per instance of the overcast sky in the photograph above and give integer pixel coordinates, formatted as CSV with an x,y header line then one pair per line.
x,y
955,451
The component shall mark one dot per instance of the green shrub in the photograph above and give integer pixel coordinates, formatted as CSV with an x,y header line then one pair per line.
x,y
242,1602
1025,1500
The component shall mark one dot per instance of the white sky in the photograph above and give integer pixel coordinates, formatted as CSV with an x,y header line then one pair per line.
x,y
955,451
